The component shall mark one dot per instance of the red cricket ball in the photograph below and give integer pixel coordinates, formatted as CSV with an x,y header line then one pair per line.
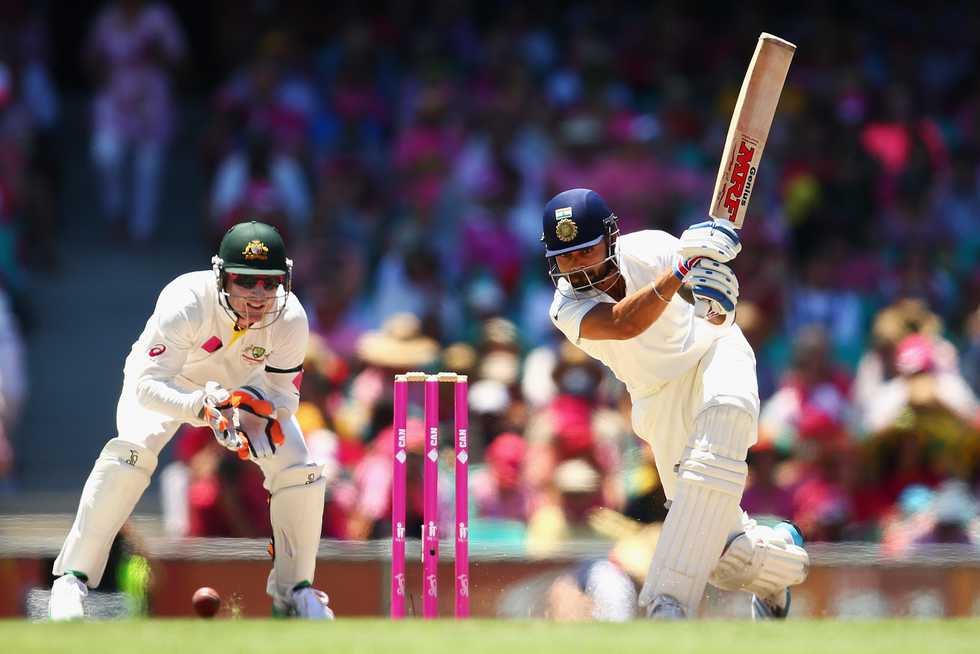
x,y
206,602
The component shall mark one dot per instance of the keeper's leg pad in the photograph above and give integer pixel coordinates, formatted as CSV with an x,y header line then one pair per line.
x,y
296,509
762,561
710,479
117,481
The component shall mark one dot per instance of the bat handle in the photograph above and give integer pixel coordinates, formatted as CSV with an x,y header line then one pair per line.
x,y
701,308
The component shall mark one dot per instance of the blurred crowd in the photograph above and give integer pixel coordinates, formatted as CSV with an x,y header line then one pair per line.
x,y
29,178
406,155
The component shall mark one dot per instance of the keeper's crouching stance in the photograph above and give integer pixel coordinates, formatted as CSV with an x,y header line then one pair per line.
x,y
628,300
223,348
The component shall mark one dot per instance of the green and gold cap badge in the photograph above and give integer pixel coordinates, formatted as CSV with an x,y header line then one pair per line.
x,y
253,248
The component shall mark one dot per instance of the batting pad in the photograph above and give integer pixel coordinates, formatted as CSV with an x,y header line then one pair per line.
x,y
711,478
296,509
763,561
117,481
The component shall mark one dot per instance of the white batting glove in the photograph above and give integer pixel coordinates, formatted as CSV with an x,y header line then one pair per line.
x,y
714,239
715,287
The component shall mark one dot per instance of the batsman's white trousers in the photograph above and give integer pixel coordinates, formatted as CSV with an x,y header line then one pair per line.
x,y
724,377
700,427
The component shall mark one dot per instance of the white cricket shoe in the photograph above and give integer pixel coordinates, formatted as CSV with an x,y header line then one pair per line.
x,y
305,602
666,607
65,603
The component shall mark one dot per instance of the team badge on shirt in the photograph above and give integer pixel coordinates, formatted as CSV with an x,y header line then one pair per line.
x,y
255,250
566,229
254,353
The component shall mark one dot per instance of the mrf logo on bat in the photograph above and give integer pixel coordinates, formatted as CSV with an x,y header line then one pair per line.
x,y
740,181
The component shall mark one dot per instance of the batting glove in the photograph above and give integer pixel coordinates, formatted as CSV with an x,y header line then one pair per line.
x,y
715,239
715,284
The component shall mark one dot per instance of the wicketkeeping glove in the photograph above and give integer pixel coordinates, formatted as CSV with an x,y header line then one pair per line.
x,y
219,413
254,420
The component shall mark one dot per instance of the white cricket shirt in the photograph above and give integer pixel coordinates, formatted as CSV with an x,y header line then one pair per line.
x,y
671,346
190,340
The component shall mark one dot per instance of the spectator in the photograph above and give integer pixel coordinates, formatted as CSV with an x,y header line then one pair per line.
x,y
562,515
812,403
571,428
764,495
890,326
499,490
131,49
920,386
259,184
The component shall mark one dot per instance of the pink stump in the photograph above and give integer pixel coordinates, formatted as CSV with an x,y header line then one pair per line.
x,y
399,455
462,499
430,510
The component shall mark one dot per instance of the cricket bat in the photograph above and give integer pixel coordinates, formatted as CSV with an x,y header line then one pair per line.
x,y
749,128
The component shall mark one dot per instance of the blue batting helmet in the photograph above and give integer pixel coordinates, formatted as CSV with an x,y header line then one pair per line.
x,y
575,219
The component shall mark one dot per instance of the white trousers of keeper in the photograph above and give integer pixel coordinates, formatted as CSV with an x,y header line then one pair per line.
x,y
122,473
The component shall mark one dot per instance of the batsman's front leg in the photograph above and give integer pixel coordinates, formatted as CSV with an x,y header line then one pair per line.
x,y
711,477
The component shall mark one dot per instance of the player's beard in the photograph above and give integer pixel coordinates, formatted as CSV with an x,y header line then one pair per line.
x,y
605,279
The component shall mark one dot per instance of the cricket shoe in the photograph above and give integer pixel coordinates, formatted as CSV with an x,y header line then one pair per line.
x,y
666,607
776,607
65,602
771,608
305,602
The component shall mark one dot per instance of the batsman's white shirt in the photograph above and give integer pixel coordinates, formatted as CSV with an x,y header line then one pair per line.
x,y
190,340
678,366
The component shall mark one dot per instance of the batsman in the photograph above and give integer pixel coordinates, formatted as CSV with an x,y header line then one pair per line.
x,y
224,348
629,301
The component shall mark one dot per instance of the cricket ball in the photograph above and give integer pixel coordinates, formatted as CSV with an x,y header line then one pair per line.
x,y
206,602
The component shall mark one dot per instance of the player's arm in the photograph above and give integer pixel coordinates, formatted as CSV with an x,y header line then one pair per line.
x,y
632,315
172,328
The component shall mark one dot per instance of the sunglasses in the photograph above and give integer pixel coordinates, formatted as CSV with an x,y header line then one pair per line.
x,y
251,281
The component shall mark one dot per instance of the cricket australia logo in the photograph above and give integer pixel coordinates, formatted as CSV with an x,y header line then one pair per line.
x,y
740,182
400,584
430,586
464,585
255,250
254,353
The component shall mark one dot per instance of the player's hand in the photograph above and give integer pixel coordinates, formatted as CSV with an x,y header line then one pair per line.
x,y
715,239
259,433
220,414
714,286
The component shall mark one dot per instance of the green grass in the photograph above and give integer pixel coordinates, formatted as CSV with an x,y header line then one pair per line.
x,y
489,636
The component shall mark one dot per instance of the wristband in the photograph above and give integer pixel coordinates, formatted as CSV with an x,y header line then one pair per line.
x,y
684,267
653,285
